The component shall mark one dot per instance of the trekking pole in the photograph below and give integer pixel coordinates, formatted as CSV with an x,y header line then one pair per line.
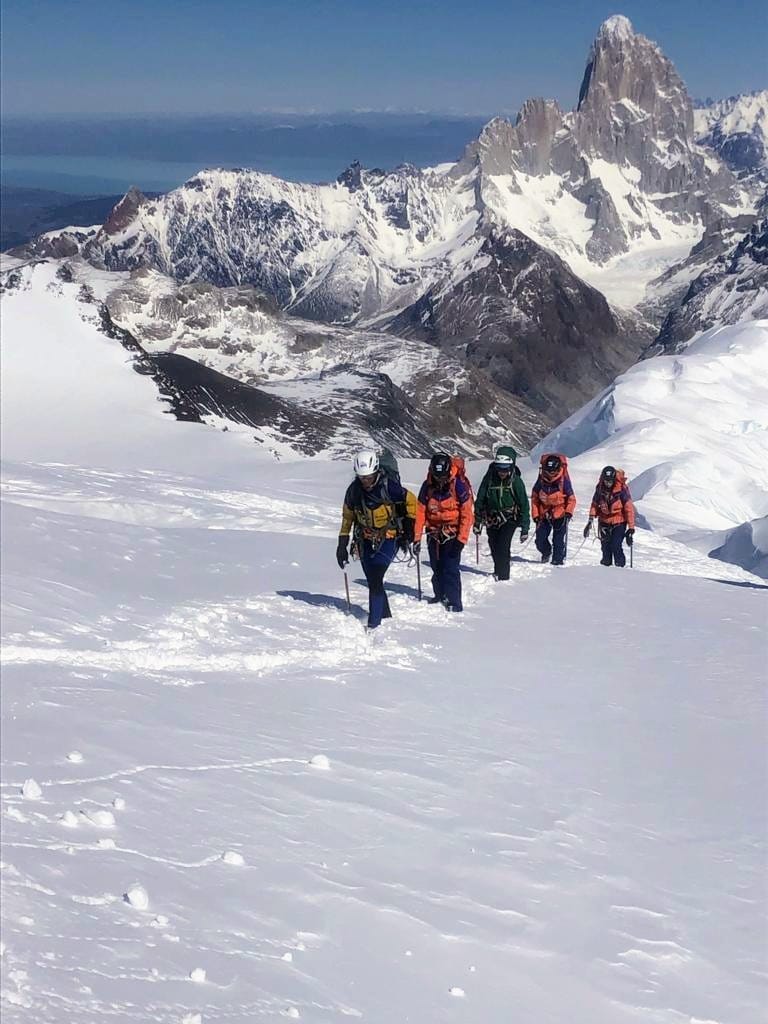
x,y
418,575
346,588
631,554
477,549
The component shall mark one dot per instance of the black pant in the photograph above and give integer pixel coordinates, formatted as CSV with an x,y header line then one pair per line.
x,y
445,560
559,546
611,540
499,541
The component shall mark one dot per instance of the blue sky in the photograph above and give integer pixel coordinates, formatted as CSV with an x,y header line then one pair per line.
x,y
137,56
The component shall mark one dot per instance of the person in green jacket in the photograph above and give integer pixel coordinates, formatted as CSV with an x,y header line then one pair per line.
x,y
501,506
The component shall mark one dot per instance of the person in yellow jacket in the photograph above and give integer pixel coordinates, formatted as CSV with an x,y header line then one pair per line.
x,y
382,512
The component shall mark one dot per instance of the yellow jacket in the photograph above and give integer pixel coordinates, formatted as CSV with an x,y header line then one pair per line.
x,y
378,509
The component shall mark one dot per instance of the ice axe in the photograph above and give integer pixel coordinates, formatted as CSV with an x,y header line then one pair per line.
x,y
418,575
346,588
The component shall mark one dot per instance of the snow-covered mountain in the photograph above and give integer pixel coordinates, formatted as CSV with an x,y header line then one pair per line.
x,y
732,287
736,129
523,259
229,357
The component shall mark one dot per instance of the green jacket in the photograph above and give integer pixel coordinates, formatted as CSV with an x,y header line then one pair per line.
x,y
507,498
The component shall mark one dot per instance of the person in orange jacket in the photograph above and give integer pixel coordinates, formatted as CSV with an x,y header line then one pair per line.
x,y
552,506
612,507
445,509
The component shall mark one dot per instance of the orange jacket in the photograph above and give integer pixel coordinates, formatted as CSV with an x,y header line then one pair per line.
x,y
615,506
552,496
450,512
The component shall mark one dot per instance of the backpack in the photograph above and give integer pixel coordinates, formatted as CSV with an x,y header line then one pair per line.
x,y
457,461
563,461
388,465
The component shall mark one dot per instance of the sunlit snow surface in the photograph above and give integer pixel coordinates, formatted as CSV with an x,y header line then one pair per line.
x,y
691,430
549,809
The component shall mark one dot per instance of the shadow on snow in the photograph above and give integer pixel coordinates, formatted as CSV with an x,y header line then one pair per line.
x,y
324,601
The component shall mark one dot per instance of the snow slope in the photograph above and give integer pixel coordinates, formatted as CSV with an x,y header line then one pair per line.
x,y
223,802
690,429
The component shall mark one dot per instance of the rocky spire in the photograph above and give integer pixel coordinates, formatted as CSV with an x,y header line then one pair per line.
x,y
634,108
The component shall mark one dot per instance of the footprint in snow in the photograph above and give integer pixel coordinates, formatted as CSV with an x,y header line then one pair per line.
x,y
31,790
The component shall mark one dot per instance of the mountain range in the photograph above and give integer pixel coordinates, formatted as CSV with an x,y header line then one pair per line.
x,y
515,282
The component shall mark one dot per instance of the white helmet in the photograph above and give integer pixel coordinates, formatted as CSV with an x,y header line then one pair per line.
x,y
366,463
503,462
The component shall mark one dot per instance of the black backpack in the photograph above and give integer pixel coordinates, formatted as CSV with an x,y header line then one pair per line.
x,y
388,465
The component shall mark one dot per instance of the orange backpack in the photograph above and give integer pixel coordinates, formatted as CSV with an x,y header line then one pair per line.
x,y
457,461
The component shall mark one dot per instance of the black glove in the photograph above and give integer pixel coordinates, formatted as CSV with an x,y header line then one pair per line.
x,y
416,547
536,520
477,529
408,528
523,538
342,555
588,529
567,517
628,537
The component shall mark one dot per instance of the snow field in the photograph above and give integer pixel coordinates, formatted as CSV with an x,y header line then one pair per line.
x,y
493,800
553,802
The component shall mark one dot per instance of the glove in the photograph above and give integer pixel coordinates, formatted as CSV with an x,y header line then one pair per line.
x,y
588,529
402,543
408,528
523,538
416,547
477,529
567,517
536,520
628,537
342,555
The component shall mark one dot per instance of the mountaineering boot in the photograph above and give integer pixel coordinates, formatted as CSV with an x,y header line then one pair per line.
x,y
545,558
605,561
434,600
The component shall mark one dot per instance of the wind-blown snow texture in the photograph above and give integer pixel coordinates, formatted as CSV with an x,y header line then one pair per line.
x,y
223,802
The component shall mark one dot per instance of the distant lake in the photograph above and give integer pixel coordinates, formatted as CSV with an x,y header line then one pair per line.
x,y
106,156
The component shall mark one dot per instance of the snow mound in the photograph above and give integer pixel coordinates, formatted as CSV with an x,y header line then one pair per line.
x,y
137,897
746,546
31,790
